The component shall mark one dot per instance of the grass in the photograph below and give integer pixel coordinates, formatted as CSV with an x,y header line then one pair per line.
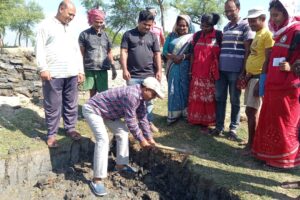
x,y
214,158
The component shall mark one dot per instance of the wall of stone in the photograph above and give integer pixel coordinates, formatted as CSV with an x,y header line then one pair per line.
x,y
18,73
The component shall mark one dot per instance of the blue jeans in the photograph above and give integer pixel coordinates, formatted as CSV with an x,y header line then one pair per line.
x,y
134,81
227,81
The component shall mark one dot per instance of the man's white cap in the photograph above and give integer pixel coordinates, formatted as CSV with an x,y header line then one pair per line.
x,y
256,12
153,84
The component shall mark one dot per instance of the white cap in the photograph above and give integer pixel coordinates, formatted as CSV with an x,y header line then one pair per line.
x,y
153,84
256,12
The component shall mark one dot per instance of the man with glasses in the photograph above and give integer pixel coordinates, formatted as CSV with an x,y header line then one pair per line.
x,y
140,56
236,42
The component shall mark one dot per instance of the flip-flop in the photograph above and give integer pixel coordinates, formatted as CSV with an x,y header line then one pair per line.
x,y
74,135
291,185
233,136
52,142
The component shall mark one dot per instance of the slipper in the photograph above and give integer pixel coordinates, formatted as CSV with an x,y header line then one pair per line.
x,y
233,136
52,142
291,185
74,135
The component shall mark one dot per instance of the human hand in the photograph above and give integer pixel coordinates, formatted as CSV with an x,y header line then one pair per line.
x,y
80,78
151,141
126,75
158,75
45,76
114,73
145,144
285,66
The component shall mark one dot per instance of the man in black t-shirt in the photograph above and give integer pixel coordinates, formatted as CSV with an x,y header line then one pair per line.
x,y
140,56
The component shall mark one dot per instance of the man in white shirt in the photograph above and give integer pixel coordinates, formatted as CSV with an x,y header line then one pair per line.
x,y
60,65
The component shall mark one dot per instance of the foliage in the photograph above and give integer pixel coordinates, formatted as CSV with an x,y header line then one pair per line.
x,y
8,9
196,8
27,15
89,4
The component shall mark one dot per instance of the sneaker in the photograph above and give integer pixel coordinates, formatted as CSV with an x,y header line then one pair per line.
x,y
127,169
153,128
98,188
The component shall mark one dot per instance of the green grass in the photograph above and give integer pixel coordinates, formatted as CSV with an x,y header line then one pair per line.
x,y
219,159
213,158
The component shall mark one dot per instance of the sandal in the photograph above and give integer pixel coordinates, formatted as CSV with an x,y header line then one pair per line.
x,y
52,142
74,135
215,132
291,185
233,136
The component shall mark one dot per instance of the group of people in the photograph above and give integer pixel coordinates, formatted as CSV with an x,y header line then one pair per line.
x,y
201,68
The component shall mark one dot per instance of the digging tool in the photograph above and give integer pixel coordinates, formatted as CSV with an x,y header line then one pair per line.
x,y
179,150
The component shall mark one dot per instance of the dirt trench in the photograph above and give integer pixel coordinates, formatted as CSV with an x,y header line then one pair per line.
x,y
161,176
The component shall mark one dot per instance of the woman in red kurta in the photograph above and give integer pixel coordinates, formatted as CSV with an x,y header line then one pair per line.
x,y
276,138
204,72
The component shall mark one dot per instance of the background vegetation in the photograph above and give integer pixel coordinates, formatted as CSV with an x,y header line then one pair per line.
x,y
21,16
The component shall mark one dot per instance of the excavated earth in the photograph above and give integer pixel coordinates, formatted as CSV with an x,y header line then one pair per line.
x,y
161,175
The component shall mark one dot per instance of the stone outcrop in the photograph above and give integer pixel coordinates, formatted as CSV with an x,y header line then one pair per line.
x,y
18,73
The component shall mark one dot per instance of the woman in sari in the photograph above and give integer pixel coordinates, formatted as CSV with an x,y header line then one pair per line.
x,y
177,51
205,54
276,139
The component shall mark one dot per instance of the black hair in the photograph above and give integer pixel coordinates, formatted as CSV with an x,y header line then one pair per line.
x,y
236,2
145,15
276,4
211,18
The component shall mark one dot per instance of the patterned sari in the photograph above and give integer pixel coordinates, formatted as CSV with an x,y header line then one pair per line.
x,y
177,76
276,138
202,103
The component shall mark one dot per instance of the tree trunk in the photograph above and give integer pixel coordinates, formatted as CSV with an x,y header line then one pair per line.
x,y
161,7
17,34
20,36
116,33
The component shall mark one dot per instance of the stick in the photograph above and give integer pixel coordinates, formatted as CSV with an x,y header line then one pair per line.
x,y
160,146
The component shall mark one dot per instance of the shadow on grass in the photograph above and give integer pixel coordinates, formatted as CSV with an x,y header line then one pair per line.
x,y
222,153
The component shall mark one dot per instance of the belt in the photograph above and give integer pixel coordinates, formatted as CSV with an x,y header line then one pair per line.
x,y
255,76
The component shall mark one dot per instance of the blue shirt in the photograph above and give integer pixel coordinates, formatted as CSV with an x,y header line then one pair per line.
x,y
233,50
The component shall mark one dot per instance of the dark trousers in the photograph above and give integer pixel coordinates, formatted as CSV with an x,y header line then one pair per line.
x,y
60,97
227,82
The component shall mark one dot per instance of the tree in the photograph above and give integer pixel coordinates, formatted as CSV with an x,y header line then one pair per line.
x,y
123,14
162,5
7,10
89,4
196,8
25,18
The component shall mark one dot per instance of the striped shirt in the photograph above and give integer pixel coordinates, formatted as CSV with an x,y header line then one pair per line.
x,y
127,102
57,50
233,50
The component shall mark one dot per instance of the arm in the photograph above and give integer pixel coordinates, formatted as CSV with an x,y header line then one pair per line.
x,y
247,45
266,63
123,61
162,38
157,63
111,60
40,51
